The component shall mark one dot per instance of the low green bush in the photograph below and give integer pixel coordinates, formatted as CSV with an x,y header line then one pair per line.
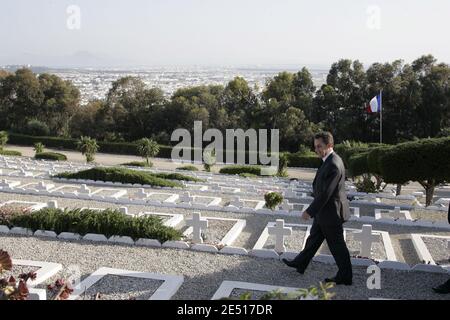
x,y
51,156
122,175
304,160
188,168
10,153
238,169
108,222
273,199
138,164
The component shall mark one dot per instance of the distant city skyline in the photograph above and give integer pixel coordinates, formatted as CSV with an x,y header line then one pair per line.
x,y
152,33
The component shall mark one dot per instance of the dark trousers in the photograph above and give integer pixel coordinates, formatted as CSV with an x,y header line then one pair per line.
x,y
334,234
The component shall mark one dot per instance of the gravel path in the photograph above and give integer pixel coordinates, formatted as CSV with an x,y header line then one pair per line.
x,y
113,287
17,270
204,272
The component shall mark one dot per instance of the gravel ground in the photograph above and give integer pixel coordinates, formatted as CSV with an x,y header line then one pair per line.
x,y
204,272
400,235
17,270
386,213
438,249
113,287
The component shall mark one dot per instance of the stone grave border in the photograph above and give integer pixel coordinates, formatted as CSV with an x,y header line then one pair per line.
x,y
170,286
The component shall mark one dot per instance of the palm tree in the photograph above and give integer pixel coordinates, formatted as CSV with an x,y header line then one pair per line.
x,y
147,148
88,147
39,147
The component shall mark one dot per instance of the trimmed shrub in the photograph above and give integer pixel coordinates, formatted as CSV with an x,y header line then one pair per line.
x,y
138,164
122,175
304,161
10,153
256,170
357,164
177,176
108,222
51,156
273,199
188,168
425,161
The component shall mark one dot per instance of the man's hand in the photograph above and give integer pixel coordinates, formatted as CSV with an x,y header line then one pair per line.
x,y
305,215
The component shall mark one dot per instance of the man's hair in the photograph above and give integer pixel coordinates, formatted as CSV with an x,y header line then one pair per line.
x,y
326,137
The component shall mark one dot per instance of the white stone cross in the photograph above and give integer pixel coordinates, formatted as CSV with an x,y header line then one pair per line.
x,y
141,194
237,202
42,186
286,205
290,193
198,224
366,238
84,189
280,231
186,197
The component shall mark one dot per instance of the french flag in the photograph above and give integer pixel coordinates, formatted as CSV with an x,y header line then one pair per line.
x,y
374,104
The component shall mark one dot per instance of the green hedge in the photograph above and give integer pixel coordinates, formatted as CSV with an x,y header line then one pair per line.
x,y
256,170
421,160
138,164
177,176
10,153
108,222
188,168
304,161
51,156
122,175
358,165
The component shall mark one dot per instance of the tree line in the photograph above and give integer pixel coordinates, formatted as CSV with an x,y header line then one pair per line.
x,y
415,105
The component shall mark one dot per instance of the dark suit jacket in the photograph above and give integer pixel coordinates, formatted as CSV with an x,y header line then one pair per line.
x,y
330,204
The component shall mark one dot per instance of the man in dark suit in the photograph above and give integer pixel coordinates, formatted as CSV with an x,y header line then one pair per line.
x,y
445,287
330,209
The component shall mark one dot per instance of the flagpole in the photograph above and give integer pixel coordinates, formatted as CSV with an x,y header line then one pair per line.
x,y
381,116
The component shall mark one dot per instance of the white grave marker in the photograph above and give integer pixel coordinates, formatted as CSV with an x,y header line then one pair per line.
x,y
366,238
280,231
198,224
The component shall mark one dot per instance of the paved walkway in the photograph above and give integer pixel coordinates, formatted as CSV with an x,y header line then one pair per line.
x,y
160,163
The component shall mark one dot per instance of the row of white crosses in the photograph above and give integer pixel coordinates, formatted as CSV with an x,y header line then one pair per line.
x,y
365,236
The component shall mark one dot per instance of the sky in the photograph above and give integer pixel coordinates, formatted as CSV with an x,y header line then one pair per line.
x,y
221,32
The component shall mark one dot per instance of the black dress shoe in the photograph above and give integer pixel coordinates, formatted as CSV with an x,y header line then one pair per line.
x,y
339,281
443,288
292,264
289,263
